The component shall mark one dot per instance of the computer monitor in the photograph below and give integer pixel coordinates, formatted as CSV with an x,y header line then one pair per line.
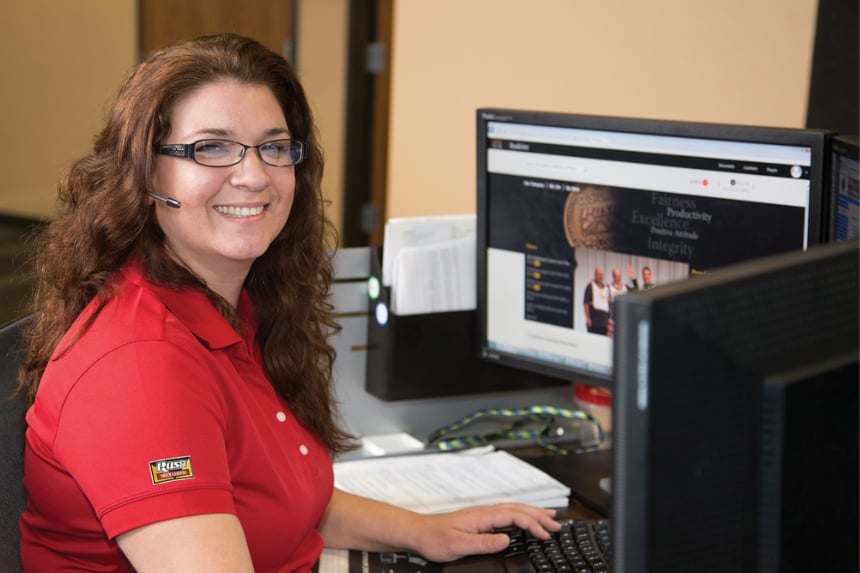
x,y
843,192
563,197
736,419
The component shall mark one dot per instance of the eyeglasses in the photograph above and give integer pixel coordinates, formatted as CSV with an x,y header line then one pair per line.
x,y
224,153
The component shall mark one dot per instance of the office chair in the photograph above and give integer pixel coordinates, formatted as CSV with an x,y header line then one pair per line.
x,y
11,446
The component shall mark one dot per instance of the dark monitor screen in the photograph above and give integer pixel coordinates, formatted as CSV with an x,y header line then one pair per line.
x,y
563,197
735,434
844,188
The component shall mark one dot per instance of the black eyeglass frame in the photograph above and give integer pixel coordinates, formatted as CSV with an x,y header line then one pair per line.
x,y
187,151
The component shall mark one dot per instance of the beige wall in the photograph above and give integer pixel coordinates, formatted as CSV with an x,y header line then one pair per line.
x,y
60,62
738,61
730,61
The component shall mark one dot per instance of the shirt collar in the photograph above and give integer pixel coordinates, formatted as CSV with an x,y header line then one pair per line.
x,y
193,309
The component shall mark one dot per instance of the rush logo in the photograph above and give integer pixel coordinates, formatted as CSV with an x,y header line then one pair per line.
x,y
171,469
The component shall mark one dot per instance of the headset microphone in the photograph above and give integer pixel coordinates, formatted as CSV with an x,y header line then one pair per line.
x,y
169,201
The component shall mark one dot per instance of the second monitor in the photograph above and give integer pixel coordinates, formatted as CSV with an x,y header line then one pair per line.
x,y
575,210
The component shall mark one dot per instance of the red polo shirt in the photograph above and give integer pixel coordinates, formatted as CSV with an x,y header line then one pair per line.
x,y
161,410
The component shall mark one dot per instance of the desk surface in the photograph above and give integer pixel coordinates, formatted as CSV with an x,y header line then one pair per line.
x,y
580,472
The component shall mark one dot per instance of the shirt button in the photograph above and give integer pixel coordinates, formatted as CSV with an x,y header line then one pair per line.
x,y
281,417
303,449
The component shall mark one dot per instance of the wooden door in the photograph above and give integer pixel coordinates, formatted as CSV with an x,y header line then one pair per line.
x,y
365,168
164,22
272,22
379,130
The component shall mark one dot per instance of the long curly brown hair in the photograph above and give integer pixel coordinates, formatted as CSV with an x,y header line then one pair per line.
x,y
105,217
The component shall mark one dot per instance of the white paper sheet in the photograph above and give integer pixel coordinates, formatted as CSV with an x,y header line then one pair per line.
x,y
435,278
405,232
438,482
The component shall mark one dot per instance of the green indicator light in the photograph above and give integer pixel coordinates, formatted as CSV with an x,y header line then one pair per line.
x,y
373,288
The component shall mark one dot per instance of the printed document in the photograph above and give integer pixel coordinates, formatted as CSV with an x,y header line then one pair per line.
x,y
430,263
439,482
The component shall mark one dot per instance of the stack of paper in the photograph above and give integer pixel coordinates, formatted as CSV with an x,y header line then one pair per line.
x,y
438,482
429,263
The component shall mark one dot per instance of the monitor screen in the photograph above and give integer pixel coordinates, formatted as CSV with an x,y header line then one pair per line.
x,y
844,188
575,210
736,406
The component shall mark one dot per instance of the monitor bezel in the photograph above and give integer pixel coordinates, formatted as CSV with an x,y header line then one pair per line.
x,y
643,398
816,140
840,146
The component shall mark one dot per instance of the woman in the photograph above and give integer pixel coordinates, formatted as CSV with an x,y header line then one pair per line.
x,y
178,361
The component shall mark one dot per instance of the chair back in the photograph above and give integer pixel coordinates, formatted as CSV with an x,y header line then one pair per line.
x,y
11,446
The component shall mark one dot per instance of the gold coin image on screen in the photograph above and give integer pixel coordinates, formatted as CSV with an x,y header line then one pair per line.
x,y
590,218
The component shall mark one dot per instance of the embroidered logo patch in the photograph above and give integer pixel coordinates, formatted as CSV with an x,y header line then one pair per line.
x,y
171,469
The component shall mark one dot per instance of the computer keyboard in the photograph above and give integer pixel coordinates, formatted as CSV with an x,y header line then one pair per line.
x,y
581,546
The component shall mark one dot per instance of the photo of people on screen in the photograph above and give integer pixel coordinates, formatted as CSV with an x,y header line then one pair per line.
x,y
595,302
647,278
600,277
618,287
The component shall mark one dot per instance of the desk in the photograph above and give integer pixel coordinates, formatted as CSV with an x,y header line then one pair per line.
x,y
580,472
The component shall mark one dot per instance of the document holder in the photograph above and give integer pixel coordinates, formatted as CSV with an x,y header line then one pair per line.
x,y
432,355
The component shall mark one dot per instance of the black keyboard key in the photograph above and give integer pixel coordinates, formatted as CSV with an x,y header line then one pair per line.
x,y
582,546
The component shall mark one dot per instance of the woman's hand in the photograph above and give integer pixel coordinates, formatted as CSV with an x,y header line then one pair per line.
x,y
354,522
449,536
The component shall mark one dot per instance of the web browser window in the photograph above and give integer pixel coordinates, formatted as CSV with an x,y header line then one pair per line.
x,y
577,217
